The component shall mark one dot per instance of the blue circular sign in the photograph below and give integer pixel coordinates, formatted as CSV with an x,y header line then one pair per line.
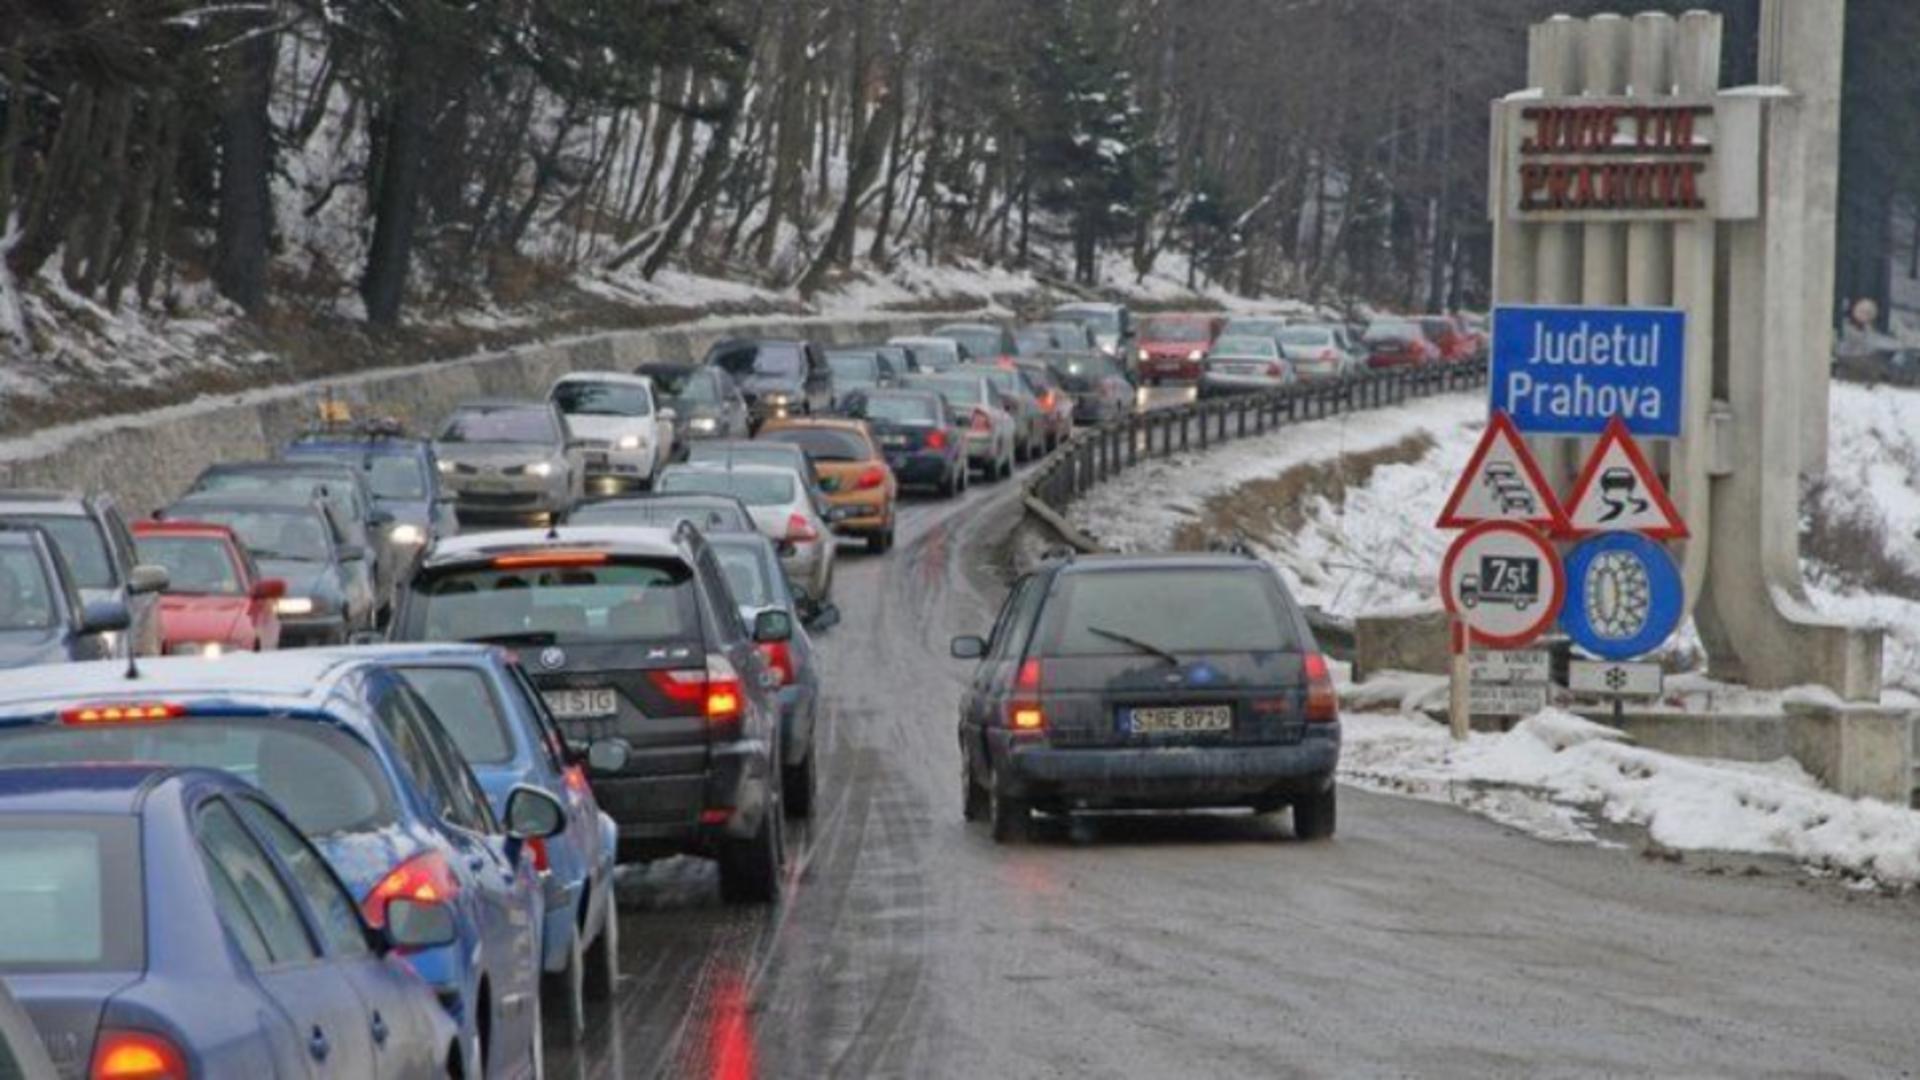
x,y
1624,596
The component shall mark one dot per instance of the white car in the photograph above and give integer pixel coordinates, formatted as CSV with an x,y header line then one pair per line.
x,y
784,509
614,420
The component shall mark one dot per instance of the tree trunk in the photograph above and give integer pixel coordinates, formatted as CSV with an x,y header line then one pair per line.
x,y
396,198
711,170
240,252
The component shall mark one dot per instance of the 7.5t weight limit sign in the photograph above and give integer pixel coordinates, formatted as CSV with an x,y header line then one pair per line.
x,y
1505,582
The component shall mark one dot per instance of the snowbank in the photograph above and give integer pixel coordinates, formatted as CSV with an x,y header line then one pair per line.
x,y
1552,771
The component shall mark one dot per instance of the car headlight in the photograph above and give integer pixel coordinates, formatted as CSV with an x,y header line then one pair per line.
x,y
445,467
294,605
541,469
628,442
1109,348
408,535
1144,357
705,425
779,399
1197,354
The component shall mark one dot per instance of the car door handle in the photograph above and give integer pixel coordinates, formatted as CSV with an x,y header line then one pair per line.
x,y
379,1029
317,1045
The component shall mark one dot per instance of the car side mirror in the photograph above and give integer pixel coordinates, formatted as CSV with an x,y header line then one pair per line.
x,y
412,924
272,588
147,578
825,617
969,647
533,814
105,617
770,627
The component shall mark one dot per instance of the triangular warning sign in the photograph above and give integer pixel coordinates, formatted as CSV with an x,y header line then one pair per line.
x,y
1503,483
1618,491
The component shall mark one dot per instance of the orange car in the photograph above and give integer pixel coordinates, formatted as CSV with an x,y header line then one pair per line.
x,y
853,472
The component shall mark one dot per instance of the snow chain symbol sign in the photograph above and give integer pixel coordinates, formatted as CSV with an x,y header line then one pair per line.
x,y
1624,596
1505,582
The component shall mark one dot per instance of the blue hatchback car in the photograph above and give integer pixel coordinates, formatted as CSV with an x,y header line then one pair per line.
x,y
363,767
503,728
173,917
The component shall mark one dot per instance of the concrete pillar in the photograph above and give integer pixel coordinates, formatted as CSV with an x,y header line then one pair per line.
x,y
1695,63
1556,63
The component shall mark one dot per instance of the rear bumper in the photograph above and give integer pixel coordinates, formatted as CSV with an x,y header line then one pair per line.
x,y
1170,367
1169,776
920,468
875,510
661,815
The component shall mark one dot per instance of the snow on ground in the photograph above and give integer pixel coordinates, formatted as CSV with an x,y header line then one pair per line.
x,y
1553,775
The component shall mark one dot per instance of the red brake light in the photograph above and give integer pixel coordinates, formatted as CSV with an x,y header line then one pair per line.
x,y
424,879
937,441
545,560
872,478
981,421
1323,702
715,690
1025,713
143,712
800,530
121,1054
780,659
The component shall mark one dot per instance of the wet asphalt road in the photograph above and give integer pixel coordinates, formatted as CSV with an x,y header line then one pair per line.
x,y
1420,942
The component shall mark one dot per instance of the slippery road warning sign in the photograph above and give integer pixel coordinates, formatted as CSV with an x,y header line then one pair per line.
x,y
1505,582
1503,483
1618,491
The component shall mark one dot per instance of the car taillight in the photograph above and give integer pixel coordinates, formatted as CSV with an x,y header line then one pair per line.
x,y
937,441
780,659
1046,401
424,879
715,689
872,478
1323,702
1276,370
1024,712
981,421
141,712
800,530
577,781
121,1054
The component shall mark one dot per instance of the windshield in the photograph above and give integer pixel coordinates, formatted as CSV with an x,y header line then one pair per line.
x,y
559,605
296,535
81,544
326,779
1180,611
1435,329
763,360
958,392
981,343
26,596
1174,330
1246,346
823,444
579,397
760,452
400,477
512,425
465,706
196,565
854,369
1104,322
746,574
900,409
1306,336
70,885
697,389
1253,328
705,516
752,488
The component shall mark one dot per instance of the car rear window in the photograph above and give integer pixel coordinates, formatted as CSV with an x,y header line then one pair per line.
x,y
327,780
1306,335
774,359
1174,330
583,397
978,343
666,513
1392,331
1246,345
465,706
26,593
196,565
70,886
957,391
1181,611
854,369
81,544
623,600
514,425
902,410
823,444
754,488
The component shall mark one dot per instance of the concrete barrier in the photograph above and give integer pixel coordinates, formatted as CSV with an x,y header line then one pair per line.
x,y
146,459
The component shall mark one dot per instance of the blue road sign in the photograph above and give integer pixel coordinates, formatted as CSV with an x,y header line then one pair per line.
x,y
1570,370
1624,596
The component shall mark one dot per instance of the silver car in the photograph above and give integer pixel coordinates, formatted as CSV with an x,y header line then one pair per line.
x,y
509,459
783,508
932,354
1030,420
1241,364
1319,351
991,431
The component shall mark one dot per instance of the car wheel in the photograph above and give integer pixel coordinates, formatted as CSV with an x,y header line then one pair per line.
x,y
1313,816
569,987
1007,816
536,1049
880,543
974,799
949,486
1006,468
750,869
602,980
799,786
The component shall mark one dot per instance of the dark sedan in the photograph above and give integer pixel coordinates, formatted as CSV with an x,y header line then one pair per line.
x,y
923,443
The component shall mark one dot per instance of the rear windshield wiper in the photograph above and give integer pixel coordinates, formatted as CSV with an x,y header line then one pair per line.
x,y
524,637
1143,646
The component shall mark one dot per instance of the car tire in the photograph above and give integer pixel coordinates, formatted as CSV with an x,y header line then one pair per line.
x,y
1008,817
568,988
974,799
880,543
536,1044
799,786
602,980
1314,816
751,870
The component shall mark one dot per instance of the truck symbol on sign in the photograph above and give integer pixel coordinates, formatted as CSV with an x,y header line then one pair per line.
x,y
1503,579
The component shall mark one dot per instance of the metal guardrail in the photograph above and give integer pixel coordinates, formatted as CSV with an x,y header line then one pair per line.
x,y
1095,455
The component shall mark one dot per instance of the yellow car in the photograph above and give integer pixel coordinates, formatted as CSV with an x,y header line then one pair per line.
x,y
853,473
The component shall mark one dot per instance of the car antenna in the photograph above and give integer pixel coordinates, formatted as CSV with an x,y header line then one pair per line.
x,y
133,663
553,528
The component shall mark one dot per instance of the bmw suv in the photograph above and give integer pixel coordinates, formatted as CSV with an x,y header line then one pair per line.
x,y
1149,682
639,648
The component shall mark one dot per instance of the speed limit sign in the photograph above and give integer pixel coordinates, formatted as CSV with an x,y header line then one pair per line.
x,y
1505,582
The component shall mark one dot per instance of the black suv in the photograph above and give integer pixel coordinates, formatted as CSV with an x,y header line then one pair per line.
x,y
1149,682
635,641
779,378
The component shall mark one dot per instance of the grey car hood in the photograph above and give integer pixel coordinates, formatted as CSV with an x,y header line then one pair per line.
x,y
496,454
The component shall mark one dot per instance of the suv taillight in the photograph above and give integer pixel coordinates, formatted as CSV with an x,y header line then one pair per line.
x,y
1323,702
715,690
937,440
780,658
125,1054
1024,712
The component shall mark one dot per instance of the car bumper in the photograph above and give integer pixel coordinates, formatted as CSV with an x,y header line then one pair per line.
x,y
981,448
1170,368
1167,777
1239,384
549,496
320,630
803,564
874,513
920,468
662,814
563,922
620,470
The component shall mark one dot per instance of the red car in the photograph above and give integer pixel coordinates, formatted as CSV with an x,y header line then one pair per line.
x,y
1393,343
1456,343
1174,346
216,601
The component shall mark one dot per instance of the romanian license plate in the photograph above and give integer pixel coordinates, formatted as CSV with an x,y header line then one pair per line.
x,y
596,461
893,440
1179,720
580,704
